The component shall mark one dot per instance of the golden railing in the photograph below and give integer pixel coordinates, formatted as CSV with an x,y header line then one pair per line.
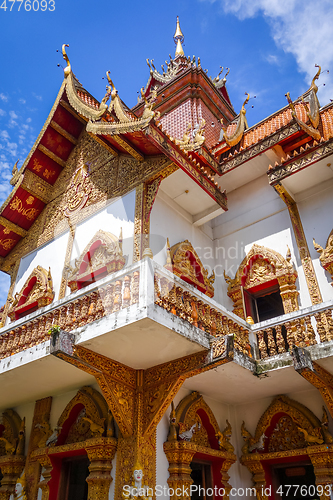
x,y
302,329
184,301
76,310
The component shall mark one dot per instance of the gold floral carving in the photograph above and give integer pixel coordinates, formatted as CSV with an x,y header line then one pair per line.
x,y
186,264
93,417
78,192
17,206
38,289
326,254
310,275
108,254
262,265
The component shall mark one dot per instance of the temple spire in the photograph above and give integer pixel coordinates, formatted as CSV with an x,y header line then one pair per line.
x,y
179,39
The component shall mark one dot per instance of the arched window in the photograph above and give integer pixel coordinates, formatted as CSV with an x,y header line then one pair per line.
x,y
264,285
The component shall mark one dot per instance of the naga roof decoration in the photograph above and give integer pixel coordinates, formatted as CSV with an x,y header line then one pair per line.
x,y
311,103
285,127
239,126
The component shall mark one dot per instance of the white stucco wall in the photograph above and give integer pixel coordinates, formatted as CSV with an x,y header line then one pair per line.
x,y
316,207
51,255
166,222
256,215
119,214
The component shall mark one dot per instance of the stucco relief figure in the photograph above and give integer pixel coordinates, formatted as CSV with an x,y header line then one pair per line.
x,y
19,492
137,490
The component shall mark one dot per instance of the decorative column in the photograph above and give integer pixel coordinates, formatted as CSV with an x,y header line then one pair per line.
x,y
179,455
322,460
309,272
101,452
253,463
11,468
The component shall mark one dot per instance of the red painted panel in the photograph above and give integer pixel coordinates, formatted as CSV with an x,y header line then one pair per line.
x,y
23,209
44,167
67,121
56,143
8,239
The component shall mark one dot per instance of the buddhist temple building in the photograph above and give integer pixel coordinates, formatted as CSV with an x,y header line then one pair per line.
x,y
168,329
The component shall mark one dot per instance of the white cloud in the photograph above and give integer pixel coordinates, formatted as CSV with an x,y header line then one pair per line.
x,y
2,112
3,97
272,59
28,120
22,101
13,115
38,97
300,27
4,134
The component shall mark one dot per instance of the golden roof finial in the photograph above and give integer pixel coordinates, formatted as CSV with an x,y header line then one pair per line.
x,y
68,69
179,39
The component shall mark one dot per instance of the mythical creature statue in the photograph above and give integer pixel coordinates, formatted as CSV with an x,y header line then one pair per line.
x,y
250,443
46,431
324,427
312,438
97,430
187,435
9,446
224,438
52,440
149,104
172,436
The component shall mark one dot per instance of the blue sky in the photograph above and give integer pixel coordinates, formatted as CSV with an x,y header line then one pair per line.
x,y
270,46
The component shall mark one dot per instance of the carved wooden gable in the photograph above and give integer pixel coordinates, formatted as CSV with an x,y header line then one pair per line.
x,y
37,292
289,425
184,262
103,255
86,416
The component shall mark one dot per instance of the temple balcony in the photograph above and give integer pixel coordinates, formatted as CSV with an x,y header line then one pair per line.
x,y
144,316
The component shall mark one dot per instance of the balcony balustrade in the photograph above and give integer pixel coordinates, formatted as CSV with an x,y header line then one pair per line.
x,y
146,284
